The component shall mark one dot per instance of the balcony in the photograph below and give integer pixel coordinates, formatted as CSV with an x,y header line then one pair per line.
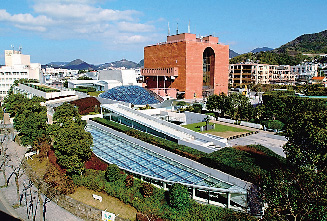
x,y
160,71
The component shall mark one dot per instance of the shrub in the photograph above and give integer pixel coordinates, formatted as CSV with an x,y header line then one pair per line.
x,y
129,181
113,173
86,105
95,163
59,181
179,197
147,189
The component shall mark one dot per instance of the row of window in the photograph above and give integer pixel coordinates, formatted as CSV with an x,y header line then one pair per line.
x,y
5,85
9,79
13,73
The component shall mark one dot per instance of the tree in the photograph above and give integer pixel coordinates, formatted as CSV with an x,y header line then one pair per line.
x,y
307,140
113,173
71,142
220,103
30,117
295,195
241,107
84,78
66,114
197,108
179,197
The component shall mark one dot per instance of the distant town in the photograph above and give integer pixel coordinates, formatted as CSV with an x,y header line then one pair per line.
x,y
188,133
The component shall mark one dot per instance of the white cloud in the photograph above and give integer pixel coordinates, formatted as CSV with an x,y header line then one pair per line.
x,y
82,19
132,27
130,39
21,20
83,12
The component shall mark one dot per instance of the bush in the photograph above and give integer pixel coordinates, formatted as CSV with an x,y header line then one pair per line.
x,y
59,181
113,173
179,197
129,181
147,189
87,105
95,163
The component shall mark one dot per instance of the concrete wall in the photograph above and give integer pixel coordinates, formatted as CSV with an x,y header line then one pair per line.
x,y
221,142
192,117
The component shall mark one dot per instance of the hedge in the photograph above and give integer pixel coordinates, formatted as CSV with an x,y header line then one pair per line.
x,y
157,141
156,204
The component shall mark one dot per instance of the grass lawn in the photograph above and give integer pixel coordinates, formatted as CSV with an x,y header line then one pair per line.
x,y
109,203
220,130
95,93
40,167
84,195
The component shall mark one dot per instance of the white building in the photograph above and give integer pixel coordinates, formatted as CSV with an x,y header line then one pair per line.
x,y
126,77
17,66
305,71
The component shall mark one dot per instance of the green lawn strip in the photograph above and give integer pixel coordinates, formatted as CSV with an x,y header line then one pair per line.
x,y
156,204
218,128
94,93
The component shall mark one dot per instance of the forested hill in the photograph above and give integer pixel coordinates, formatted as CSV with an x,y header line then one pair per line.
x,y
290,53
307,43
269,57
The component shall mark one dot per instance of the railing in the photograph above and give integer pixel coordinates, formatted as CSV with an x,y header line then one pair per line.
x,y
172,71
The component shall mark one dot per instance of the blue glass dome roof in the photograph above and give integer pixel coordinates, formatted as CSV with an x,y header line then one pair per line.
x,y
132,94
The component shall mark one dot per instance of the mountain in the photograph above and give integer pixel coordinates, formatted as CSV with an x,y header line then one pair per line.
x,y
308,43
57,63
261,49
141,63
233,53
78,64
118,64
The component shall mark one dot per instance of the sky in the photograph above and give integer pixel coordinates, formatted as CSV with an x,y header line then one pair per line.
x,y
100,31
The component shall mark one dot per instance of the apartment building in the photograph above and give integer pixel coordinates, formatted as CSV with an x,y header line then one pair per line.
x,y
248,73
17,66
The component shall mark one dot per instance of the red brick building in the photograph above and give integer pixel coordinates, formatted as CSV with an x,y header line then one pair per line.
x,y
187,66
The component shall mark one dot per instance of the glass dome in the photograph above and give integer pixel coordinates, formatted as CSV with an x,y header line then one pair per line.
x,y
132,94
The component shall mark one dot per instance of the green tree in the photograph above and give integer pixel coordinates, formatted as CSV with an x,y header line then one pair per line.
x,y
113,173
295,195
197,108
241,107
30,117
70,141
84,78
66,114
220,103
307,136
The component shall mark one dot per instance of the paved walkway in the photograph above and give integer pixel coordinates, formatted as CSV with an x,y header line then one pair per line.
x,y
30,205
265,138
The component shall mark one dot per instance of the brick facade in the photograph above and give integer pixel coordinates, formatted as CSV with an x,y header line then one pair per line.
x,y
185,52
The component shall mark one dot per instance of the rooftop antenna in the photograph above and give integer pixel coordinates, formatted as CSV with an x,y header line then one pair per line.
x,y
189,26
168,29
177,29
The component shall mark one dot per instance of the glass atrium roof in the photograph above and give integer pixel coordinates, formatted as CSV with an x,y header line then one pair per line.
x,y
135,158
132,94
